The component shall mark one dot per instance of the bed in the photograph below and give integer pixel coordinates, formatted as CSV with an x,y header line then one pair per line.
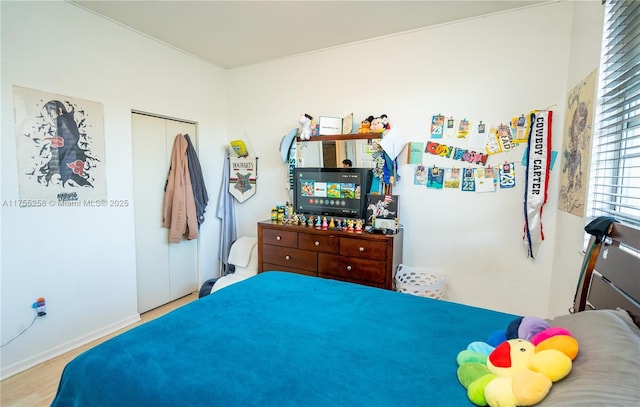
x,y
282,339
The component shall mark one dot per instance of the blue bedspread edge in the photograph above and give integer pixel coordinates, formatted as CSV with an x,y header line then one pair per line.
x,y
282,339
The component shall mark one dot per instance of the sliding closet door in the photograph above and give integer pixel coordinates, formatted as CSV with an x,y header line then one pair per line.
x,y
165,271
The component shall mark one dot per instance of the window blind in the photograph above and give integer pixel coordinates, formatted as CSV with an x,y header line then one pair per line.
x,y
615,160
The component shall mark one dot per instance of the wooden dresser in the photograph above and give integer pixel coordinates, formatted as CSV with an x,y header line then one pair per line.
x,y
363,258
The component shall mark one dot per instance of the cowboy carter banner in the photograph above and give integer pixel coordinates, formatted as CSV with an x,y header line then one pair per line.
x,y
242,177
537,178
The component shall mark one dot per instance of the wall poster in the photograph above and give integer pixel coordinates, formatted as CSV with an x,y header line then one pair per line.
x,y
60,148
576,147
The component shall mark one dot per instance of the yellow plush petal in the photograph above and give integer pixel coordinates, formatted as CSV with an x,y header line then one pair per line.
x,y
551,363
530,387
564,343
498,393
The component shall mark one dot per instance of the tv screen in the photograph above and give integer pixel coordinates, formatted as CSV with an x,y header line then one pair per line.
x,y
337,192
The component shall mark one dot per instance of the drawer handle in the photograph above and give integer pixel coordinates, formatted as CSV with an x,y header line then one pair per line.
x,y
361,249
348,268
317,243
287,257
278,238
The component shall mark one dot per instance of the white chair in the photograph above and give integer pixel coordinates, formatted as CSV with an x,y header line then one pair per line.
x,y
244,256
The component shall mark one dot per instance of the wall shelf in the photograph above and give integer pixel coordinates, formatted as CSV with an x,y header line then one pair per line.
x,y
352,136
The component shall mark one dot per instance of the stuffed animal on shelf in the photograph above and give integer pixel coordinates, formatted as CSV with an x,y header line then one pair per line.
x,y
365,125
305,129
378,125
520,369
385,122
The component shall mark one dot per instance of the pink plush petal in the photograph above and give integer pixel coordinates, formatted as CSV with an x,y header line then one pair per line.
x,y
548,333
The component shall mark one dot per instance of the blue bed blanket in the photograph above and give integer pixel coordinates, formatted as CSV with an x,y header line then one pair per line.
x,y
282,339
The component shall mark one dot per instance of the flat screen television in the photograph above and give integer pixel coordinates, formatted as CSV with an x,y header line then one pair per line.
x,y
337,192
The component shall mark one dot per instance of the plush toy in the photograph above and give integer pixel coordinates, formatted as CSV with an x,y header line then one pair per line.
x,y
520,370
385,122
239,148
305,129
365,125
377,125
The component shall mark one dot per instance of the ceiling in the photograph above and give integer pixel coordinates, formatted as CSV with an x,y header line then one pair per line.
x,y
232,34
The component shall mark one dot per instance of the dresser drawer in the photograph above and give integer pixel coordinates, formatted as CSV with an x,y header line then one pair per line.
x,y
318,243
351,268
367,249
276,267
292,258
280,238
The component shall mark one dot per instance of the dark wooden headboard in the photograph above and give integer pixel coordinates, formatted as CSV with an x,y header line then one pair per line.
x,y
611,272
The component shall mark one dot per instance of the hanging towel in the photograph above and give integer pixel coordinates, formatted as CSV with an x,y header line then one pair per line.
x,y
226,213
197,181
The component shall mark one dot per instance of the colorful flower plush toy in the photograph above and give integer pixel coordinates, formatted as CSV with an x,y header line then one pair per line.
x,y
516,366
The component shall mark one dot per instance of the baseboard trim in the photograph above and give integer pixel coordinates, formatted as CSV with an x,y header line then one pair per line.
x,y
35,360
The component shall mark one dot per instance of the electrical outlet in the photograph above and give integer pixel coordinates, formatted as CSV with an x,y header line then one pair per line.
x,y
40,307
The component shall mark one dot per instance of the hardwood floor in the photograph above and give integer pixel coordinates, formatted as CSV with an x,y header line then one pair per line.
x,y
37,386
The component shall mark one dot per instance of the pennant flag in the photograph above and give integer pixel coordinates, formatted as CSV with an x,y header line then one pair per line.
x,y
537,178
242,177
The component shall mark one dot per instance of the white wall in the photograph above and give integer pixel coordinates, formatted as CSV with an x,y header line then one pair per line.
x,y
82,260
488,69
586,34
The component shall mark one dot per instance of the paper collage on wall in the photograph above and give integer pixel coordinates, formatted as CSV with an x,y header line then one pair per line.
x,y
576,147
472,143
60,146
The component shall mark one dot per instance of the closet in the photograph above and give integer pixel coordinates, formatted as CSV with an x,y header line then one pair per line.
x,y
165,271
